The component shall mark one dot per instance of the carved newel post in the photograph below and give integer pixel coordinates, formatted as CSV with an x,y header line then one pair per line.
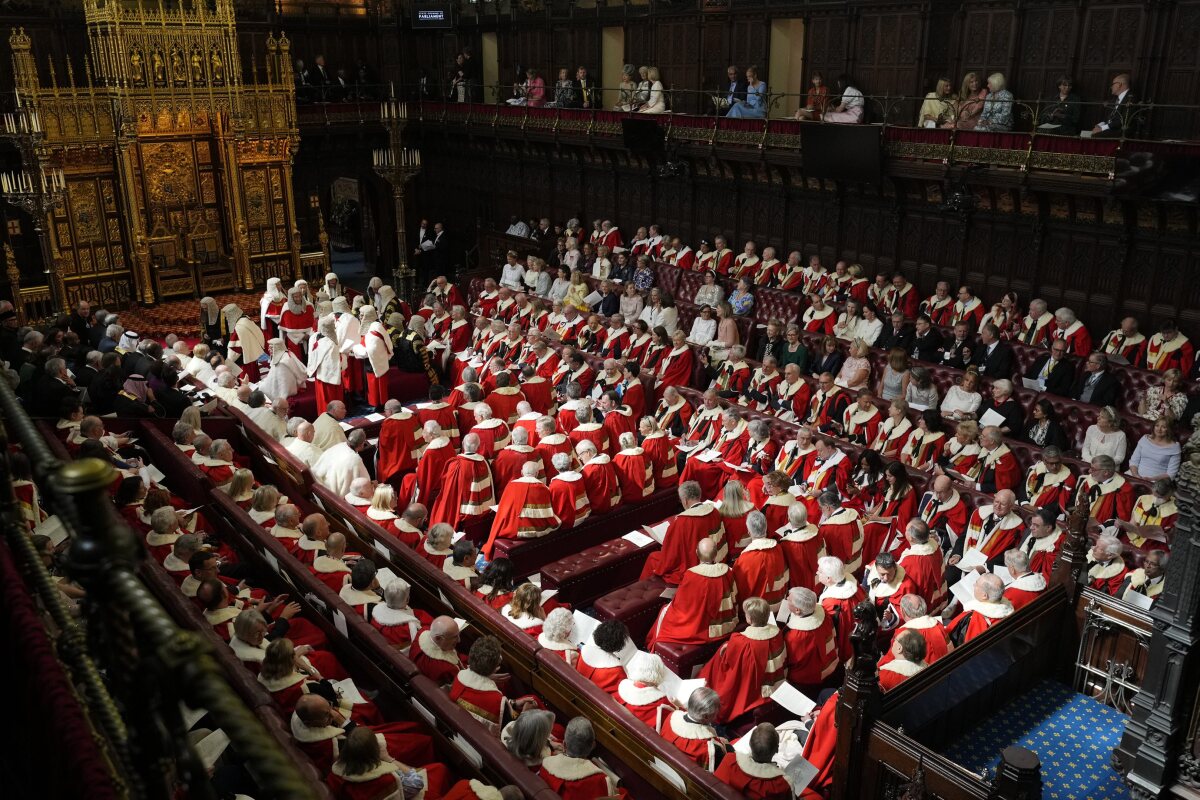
x,y
1156,749
857,705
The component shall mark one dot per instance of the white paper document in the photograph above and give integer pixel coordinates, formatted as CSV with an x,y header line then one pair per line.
x,y
1002,572
585,626
659,531
1033,384
346,426
349,691
991,417
52,526
1138,600
374,417
638,538
971,559
792,699
385,576
964,590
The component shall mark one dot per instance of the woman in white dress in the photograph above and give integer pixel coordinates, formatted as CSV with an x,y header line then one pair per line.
x,y
963,400
704,328
657,104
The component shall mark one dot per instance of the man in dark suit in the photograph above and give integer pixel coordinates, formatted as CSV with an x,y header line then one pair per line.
x,y
927,340
1055,371
81,320
89,369
993,357
55,385
1118,119
898,334
433,252
545,237
958,348
736,88
585,90
1096,385
142,360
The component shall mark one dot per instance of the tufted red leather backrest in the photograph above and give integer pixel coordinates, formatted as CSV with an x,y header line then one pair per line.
x,y
689,284
668,277
773,304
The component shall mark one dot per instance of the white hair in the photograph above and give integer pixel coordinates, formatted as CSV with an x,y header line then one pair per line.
x,y
803,600
648,668
561,462
559,624
396,593
756,525
831,567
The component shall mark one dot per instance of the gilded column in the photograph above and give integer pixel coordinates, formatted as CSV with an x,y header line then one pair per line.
x,y
137,246
236,217
289,200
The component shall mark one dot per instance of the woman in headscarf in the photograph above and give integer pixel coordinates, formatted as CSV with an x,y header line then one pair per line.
x,y
136,399
211,330
270,307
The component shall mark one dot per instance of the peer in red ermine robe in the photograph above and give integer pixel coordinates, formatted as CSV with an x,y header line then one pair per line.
x,y
678,553
703,610
747,669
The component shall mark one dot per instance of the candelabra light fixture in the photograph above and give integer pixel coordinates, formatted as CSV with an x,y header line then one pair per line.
x,y
398,165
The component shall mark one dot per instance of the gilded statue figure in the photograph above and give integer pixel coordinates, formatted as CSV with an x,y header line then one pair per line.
x,y
160,68
178,70
197,67
218,67
137,67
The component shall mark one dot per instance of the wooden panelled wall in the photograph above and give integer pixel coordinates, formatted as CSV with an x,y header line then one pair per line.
x,y
1103,258
892,48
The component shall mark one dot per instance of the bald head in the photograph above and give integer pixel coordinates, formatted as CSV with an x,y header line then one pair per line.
x,y
706,551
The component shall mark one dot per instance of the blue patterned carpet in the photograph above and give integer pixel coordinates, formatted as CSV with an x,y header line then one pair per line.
x,y
1073,736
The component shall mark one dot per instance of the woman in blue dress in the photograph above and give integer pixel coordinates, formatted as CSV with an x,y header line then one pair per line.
x,y
755,104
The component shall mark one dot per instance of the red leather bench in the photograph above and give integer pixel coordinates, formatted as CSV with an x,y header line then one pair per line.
x,y
584,576
530,555
636,605
686,659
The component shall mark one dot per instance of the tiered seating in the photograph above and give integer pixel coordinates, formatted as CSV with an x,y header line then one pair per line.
x,y
632,745
466,745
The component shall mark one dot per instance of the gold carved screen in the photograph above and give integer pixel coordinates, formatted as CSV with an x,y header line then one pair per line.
x,y
167,153
93,263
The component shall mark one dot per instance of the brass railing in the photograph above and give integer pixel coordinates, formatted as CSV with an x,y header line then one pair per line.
x,y
133,663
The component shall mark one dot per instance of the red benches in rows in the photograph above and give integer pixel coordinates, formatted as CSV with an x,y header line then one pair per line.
x,y
632,743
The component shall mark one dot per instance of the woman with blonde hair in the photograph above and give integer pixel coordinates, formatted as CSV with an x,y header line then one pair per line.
x,y
855,373
525,610
893,383
1105,437
735,505
191,415
263,504
656,102
970,103
241,487
1170,397
938,106
577,292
